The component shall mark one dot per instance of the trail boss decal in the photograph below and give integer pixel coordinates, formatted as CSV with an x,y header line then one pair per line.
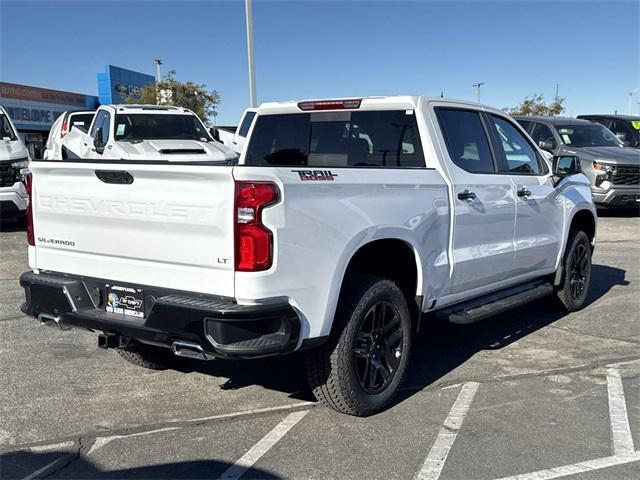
x,y
315,175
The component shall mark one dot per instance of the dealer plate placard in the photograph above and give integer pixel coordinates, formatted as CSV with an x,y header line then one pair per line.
x,y
125,300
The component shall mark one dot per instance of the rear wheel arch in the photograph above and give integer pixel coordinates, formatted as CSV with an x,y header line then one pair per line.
x,y
390,258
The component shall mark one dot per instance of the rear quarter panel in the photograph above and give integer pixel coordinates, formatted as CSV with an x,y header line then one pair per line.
x,y
319,225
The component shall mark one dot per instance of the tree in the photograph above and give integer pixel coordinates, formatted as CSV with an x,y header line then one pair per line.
x,y
535,105
170,91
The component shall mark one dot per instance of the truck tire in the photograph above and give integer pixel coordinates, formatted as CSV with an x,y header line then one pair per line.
x,y
360,369
146,356
576,280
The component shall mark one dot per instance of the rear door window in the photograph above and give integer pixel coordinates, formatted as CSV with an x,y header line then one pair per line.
x,y
246,123
466,139
385,139
82,120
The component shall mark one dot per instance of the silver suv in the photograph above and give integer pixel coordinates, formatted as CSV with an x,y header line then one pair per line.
x,y
612,168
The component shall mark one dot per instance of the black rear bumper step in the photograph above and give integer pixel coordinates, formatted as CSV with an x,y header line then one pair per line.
x,y
489,305
218,324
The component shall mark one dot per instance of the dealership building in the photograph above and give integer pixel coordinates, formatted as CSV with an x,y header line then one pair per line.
x,y
34,109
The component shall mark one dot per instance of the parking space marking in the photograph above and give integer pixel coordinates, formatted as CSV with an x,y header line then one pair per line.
x,y
581,467
54,446
46,468
254,454
256,411
433,465
102,441
620,428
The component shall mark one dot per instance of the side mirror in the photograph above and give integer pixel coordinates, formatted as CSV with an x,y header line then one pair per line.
x,y
214,133
97,141
547,145
565,165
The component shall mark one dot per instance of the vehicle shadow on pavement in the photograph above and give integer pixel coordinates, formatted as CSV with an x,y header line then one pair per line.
x,y
12,225
438,348
61,464
619,212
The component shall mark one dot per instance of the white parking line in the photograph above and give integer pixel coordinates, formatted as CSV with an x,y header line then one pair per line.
x,y
432,467
581,467
620,428
254,454
102,441
47,467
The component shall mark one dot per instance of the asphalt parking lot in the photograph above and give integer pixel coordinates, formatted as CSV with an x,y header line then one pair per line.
x,y
531,394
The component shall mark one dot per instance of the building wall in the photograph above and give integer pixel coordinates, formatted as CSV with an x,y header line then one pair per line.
x,y
115,80
35,108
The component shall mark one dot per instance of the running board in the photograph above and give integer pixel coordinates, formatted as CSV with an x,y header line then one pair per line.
x,y
488,305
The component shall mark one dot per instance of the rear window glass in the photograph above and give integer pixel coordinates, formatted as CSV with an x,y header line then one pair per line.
x,y
82,120
337,139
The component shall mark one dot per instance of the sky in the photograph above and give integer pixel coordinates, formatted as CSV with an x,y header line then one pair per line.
x,y
323,49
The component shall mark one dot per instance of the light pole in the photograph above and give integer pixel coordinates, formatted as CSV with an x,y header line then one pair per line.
x,y
158,62
629,99
252,73
477,87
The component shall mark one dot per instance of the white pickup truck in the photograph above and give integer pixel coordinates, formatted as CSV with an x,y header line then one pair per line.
x,y
236,137
14,156
145,132
341,223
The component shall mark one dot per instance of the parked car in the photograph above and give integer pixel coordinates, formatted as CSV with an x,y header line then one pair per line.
x,y
235,137
14,156
612,168
146,133
625,127
55,150
343,221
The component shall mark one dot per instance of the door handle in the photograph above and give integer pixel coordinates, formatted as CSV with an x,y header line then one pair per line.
x,y
523,192
467,195
118,177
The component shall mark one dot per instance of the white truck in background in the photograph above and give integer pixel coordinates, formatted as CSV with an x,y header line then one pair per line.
x,y
236,137
55,149
14,156
146,132
342,224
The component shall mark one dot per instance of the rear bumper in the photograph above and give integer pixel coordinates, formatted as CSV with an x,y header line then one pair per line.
x,y
221,327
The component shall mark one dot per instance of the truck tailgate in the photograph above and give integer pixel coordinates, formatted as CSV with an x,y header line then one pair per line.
x,y
172,226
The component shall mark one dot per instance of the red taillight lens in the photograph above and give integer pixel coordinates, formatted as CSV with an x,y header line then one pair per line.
x,y
64,130
348,104
254,241
28,185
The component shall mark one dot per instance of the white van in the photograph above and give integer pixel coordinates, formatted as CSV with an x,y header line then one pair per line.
x,y
13,157
55,149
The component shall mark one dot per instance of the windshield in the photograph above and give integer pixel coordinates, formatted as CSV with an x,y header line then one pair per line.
x,y
138,127
6,131
592,135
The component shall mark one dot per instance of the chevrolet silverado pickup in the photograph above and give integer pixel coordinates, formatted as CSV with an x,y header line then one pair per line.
x,y
145,132
14,156
342,223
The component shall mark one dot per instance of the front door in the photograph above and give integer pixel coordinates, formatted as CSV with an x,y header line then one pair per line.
x,y
539,209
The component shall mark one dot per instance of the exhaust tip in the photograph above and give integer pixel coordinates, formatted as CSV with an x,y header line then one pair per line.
x,y
52,320
185,349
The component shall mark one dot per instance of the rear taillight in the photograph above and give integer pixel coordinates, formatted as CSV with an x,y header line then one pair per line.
x,y
27,179
253,241
64,130
345,104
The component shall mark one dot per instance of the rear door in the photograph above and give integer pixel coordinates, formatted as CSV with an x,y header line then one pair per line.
x,y
159,224
539,211
484,211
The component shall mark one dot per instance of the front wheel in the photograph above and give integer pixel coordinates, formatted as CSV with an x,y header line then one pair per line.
x,y
577,272
360,370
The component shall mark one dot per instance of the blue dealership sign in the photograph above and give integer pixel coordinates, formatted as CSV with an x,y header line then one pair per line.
x,y
115,80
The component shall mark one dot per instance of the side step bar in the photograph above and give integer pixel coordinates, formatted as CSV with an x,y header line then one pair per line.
x,y
489,305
